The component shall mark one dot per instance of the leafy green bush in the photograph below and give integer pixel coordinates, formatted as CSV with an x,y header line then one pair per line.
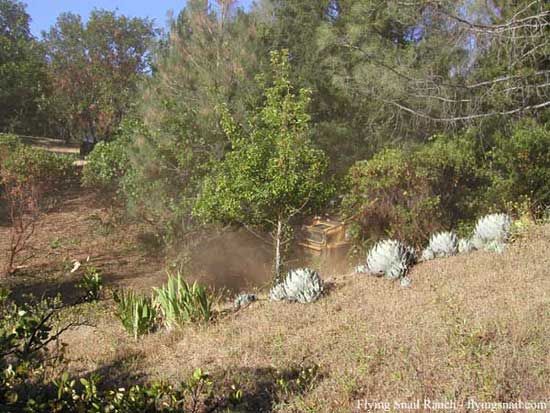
x,y
136,312
389,195
91,284
8,143
27,332
458,175
409,195
30,378
107,164
37,167
521,165
180,302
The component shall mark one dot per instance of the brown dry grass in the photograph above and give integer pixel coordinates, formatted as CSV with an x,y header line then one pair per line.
x,y
473,326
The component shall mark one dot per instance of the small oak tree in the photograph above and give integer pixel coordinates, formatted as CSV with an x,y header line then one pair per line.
x,y
273,173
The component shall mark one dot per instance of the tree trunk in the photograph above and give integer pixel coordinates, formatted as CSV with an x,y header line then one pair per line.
x,y
278,236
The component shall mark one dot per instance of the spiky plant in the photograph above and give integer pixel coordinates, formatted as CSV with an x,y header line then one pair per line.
x,y
491,230
180,302
136,312
465,246
405,282
442,244
361,269
391,259
243,299
302,285
91,284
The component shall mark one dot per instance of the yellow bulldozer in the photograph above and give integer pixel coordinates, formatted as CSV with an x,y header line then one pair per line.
x,y
325,237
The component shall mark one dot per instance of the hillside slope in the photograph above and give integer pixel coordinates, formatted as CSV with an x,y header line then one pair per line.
x,y
474,327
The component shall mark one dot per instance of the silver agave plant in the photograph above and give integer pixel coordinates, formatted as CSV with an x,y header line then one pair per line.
x,y
465,246
302,285
442,244
244,299
491,232
390,258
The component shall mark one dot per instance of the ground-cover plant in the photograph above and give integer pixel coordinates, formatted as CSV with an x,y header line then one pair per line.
x,y
442,244
180,302
302,285
136,312
28,338
91,284
390,258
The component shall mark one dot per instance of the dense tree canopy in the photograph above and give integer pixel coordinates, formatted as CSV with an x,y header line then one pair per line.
x,y
22,71
94,69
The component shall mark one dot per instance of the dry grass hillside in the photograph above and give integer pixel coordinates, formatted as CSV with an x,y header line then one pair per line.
x,y
474,327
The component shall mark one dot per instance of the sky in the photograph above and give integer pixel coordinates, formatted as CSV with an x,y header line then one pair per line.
x,y
44,12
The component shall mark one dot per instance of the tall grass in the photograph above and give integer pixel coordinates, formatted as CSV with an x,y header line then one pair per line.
x,y
136,312
180,302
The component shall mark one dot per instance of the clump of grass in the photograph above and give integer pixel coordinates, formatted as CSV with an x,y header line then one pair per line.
x,y
91,284
180,302
136,312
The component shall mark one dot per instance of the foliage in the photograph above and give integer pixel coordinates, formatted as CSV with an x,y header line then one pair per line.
x,y
180,302
207,59
136,312
31,379
442,244
302,285
159,396
23,78
26,176
91,284
273,172
521,164
42,169
106,166
390,196
28,333
491,231
95,68
390,258
409,194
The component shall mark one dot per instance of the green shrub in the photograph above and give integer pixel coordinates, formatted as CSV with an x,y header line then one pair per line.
x,y
136,312
27,346
521,164
8,143
30,378
107,164
41,168
390,195
180,302
458,175
408,195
